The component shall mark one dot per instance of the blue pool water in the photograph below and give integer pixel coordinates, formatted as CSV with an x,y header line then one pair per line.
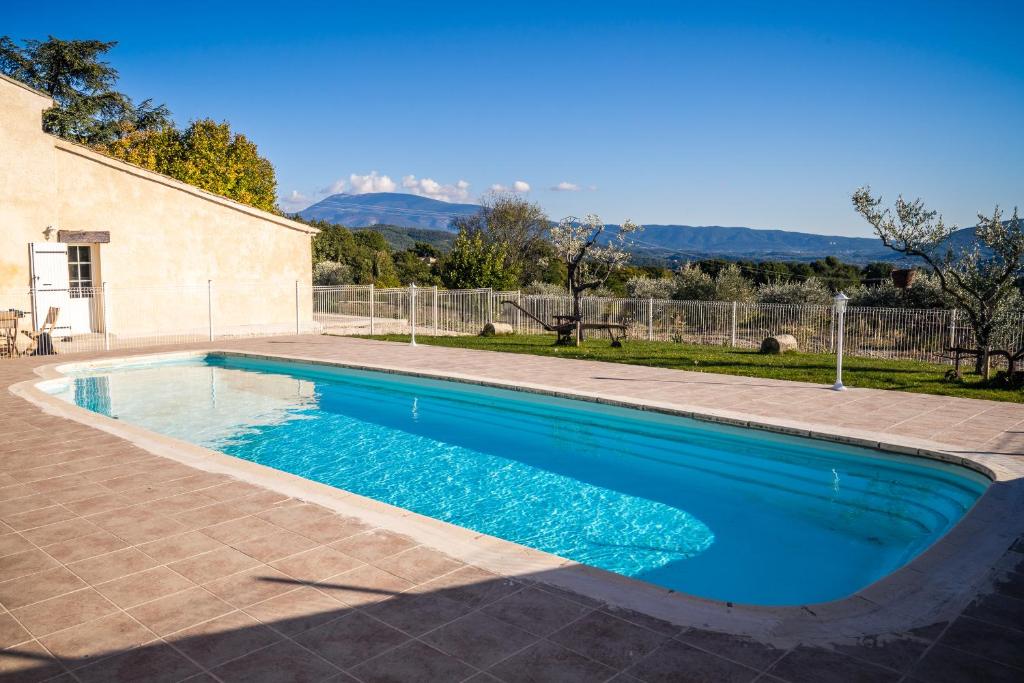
x,y
725,513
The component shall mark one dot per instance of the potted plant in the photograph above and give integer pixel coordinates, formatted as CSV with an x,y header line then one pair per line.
x,y
903,278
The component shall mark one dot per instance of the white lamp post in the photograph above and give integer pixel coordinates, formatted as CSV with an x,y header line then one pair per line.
x,y
412,313
839,303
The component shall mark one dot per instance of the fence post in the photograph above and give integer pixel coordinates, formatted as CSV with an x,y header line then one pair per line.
x,y
519,302
412,313
297,324
650,319
490,305
733,341
952,328
839,306
372,297
209,306
435,310
832,330
106,318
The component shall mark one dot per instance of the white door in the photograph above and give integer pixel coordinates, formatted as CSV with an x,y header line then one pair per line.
x,y
51,287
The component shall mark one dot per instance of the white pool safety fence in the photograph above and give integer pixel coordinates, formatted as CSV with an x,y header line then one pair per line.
x,y
111,317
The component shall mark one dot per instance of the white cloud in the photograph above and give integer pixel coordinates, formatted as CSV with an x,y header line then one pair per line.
x,y
565,186
519,187
336,187
375,182
294,201
371,182
428,187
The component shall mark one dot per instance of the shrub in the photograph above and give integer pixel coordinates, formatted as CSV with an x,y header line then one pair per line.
x,y
810,291
545,289
331,273
730,285
643,287
926,293
693,284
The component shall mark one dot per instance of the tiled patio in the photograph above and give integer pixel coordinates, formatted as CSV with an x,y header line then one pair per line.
x,y
120,565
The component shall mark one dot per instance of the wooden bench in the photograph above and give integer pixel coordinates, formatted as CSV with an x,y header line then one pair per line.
x,y
567,329
959,353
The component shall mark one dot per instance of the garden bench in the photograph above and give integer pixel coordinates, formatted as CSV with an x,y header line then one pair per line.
x,y
959,353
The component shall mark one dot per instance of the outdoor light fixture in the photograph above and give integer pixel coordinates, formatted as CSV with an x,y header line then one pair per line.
x,y
839,305
412,313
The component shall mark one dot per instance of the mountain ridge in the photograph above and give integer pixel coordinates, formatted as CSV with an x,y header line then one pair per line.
x,y
660,241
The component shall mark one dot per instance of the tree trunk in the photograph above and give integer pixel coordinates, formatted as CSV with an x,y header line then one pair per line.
x,y
577,307
983,364
983,337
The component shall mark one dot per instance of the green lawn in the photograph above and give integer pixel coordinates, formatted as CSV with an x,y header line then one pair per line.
x,y
925,378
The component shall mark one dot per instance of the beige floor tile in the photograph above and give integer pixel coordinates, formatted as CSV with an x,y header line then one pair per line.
x,y
85,643
39,586
330,529
223,639
316,564
280,543
102,503
180,546
11,632
11,543
298,611
179,610
374,545
38,518
418,564
134,589
64,611
238,530
103,568
214,564
26,562
252,586
61,531
363,586
83,548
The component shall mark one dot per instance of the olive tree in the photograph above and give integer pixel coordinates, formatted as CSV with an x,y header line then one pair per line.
x,y
589,255
980,277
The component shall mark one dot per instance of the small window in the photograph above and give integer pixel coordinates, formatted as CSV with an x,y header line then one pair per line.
x,y
80,271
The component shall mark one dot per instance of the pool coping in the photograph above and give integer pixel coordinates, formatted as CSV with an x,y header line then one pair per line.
x,y
931,588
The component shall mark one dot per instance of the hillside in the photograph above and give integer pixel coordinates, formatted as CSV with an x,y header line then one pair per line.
x,y
406,218
387,208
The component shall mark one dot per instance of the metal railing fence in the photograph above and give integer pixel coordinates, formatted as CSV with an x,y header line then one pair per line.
x,y
895,333
112,317
115,317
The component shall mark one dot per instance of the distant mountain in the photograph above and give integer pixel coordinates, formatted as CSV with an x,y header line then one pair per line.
x,y
408,216
682,241
388,208
400,239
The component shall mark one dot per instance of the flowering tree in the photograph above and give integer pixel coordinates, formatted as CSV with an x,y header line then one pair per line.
x,y
588,259
980,277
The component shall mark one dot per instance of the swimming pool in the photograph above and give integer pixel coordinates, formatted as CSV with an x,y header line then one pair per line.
x,y
721,512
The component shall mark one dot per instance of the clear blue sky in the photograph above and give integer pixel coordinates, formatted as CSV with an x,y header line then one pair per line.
x,y
765,114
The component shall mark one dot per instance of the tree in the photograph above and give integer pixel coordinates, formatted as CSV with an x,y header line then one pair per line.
x,y
475,262
86,107
693,284
413,268
331,273
206,154
981,276
730,285
646,287
332,243
809,292
371,260
588,262
511,221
